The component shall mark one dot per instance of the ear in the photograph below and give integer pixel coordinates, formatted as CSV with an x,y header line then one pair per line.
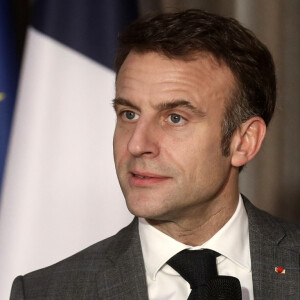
x,y
247,140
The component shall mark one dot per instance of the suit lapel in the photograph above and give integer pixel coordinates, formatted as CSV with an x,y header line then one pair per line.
x,y
124,278
269,250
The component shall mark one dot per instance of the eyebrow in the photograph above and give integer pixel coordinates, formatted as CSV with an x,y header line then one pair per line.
x,y
161,106
179,103
124,102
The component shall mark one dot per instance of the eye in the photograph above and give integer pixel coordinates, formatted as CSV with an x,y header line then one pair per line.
x,y
176,119
129,115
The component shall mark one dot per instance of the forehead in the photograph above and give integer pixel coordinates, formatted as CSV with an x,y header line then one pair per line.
x,y
154,77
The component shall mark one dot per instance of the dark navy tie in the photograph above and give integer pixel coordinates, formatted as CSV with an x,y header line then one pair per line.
x,y
199,269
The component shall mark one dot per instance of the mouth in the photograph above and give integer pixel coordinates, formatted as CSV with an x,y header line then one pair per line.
x,y
147,176
140,176
144,179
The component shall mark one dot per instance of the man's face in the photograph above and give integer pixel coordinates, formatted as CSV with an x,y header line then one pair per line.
x,y
168,133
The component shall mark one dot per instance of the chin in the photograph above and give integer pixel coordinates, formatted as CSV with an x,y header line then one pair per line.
x,y
156,214
139,210
143,209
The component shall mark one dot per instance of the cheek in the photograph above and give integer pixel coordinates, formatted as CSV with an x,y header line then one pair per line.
x,y
200,155
120,142
180,145
181,153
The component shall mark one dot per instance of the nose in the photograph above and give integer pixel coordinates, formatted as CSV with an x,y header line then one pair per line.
x,y
144,140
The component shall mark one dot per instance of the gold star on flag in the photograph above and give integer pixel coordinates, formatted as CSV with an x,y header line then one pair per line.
x,y
2,96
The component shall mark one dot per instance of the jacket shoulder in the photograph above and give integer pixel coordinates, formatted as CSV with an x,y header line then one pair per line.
x,y
284,233
74,276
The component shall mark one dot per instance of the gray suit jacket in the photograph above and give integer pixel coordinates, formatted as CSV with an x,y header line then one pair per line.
x,y
114,268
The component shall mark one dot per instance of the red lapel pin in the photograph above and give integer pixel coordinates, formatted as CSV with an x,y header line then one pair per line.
x,y
280,270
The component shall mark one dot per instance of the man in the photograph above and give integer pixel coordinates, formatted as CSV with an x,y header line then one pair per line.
x,y
194,94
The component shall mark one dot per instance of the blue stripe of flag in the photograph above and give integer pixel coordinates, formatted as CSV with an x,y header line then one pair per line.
x,y
8,79
88,26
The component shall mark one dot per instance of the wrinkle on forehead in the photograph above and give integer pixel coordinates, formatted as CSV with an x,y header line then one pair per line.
x,y
202,76
201,61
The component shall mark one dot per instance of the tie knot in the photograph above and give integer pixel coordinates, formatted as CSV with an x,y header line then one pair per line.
x,y
196,266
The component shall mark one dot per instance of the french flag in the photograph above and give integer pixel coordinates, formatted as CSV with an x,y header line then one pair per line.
x,y
60,191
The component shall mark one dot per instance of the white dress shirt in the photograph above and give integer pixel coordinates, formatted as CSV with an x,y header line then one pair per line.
x,y
231,241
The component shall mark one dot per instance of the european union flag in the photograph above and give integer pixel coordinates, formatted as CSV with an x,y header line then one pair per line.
x,y
8,79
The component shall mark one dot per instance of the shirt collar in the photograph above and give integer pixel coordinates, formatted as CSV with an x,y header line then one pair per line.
x,y
231,241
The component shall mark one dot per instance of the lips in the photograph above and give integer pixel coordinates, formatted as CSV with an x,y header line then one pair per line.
x,y
144,179
140,176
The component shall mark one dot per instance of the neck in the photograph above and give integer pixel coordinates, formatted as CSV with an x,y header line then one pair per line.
x,y
201,223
